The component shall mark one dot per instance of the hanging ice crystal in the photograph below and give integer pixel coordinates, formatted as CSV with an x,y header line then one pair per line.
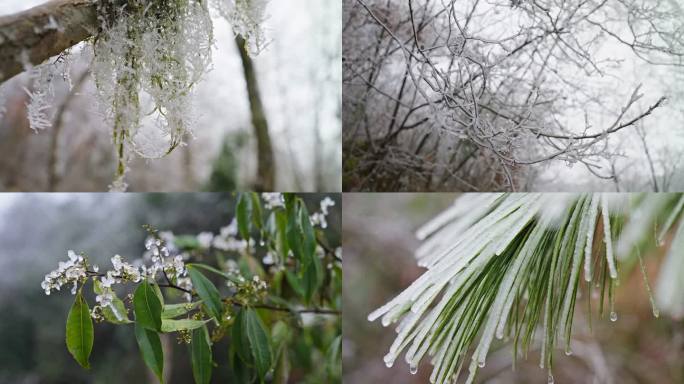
x,y
247,18
147,60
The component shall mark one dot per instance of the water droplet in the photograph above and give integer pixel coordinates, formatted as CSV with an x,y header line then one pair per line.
x,y
656,312
413,369
481,364
262,243
389,360
613,316
550,379
568,352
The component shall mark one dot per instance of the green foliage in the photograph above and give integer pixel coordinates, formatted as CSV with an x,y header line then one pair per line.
x,y
244,210
147,307
509,266
151,350
200,350
117,313
246,284
259,346
207,292
170,325
79,331
224,172
174,310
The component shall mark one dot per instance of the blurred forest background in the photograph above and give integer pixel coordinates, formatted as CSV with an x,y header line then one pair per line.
x,y
379,244
36,230
299,79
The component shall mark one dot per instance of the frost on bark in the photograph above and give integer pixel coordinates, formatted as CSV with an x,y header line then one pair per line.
x,y
31,37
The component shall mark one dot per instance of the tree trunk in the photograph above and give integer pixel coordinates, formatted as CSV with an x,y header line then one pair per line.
x,y
33,36
265,160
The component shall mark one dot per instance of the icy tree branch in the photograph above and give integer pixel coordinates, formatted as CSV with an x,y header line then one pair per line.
x,y
33,36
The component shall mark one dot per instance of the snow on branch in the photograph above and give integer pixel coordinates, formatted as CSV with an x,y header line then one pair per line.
x,y
28,38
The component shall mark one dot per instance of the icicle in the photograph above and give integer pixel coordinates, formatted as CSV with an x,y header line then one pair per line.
x,y
591,228
607,238
670,220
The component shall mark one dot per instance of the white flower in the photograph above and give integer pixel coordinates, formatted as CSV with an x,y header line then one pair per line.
x,y
268,259
319,219
273,200
125,271
230,244
175,267
71,271
108,280
325,204
230,230
204,239
185,283
105,299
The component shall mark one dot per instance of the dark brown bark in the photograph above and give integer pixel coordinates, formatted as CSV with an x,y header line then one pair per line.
x,y
39,33
265,158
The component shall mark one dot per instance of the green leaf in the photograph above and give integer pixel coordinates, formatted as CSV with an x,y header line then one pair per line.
x,y
281,228
151,350
282,369
216,271
309,236
290,201
334,358
207,292
147,307
294,235
258,341
158,292
79,331
280,334
243,213
241,373
256,210
200,351
174,310
169,325
116,315
311,279
295,283
239,338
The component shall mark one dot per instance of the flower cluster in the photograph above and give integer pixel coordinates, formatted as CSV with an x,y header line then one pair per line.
x,y
71,271
319,218
226,240
273,200
245,290
159,249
